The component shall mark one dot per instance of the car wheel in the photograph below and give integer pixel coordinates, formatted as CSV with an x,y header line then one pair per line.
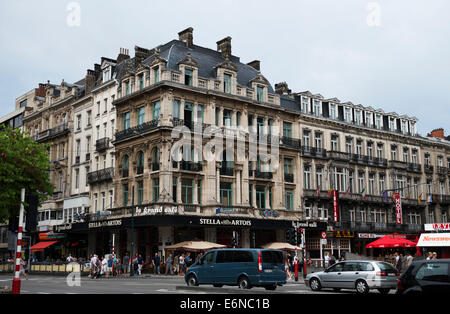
x,y
192,281
362,287
315,284
244,283
270,287
337,289
218,286
384,290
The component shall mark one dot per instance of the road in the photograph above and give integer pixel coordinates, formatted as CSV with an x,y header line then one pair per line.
x,y
148,284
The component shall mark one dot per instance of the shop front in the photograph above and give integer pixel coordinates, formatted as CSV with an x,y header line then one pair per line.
x,y
436,239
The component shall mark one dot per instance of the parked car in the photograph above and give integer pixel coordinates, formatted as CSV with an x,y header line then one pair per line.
x,y
359,275
245,268
425,277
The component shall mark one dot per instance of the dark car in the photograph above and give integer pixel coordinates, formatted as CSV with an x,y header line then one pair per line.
x,y
425,277
245,268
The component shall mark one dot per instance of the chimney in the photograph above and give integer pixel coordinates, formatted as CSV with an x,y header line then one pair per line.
x,y
187,37
437,133
123,55
40,91
224,46
282,89
255,64
89,81
97,68
141,53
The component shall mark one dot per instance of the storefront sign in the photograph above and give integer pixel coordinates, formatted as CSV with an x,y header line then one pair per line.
x,y
342,234
434,240
63,227
398,208
225,222
375,235
336,205
437,227
309,224
156,210
107,223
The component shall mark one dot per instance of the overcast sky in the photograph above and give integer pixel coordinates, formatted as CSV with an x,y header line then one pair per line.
x,y
388,54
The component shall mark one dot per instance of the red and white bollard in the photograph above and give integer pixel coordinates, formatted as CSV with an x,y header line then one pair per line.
x,y
16,280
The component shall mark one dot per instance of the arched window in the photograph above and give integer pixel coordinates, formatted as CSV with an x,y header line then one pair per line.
x,y
140,167
126,163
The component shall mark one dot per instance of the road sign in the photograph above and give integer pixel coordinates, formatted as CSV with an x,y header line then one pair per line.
x,y
324,235
323,241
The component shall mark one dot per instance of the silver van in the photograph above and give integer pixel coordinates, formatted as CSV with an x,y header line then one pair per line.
x,y
359,275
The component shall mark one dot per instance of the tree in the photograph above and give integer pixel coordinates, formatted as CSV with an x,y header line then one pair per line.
x,y
24,163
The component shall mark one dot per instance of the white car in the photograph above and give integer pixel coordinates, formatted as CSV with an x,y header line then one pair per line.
x,y
359,275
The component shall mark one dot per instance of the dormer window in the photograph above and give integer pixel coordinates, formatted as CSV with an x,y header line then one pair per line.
x,y
378,121
316,107
347,115
188,77
332,111
404,128
227,83
127,88
260,93
358,117
141,81
392,124
368,119
156,74
305,105
107,75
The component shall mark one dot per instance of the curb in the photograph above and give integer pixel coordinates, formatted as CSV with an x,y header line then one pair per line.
x,y
224,290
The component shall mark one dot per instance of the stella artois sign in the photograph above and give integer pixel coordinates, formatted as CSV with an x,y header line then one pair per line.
x,y
398,208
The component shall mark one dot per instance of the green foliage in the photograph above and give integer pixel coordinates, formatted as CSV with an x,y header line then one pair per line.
x,y
24,163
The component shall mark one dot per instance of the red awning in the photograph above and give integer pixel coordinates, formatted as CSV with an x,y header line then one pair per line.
x,y
42,245
390,241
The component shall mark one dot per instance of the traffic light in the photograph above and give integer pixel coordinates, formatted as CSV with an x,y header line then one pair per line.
x,y
291,236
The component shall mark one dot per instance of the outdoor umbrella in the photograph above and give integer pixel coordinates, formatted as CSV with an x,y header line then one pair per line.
x,y
281,246
195,246
390,241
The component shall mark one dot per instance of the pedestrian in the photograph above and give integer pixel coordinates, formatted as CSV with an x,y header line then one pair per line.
x,y
156,261
409,259
430,256
69,258
104,267
181,265
177,265
126,263
22,268
327,260
398,262
187,260
434,256
287,268
135,264
118,266
140,262
332,260
110,266
169,263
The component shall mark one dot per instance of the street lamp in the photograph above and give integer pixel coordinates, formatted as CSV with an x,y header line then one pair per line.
x,y
132,232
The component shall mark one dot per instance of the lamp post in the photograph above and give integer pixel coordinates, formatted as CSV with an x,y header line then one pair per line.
x,y
132,232
16,280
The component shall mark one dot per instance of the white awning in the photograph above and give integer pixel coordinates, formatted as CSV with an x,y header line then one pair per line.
x,y
434,240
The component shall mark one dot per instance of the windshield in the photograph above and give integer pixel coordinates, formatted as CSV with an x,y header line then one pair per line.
x,y
386,266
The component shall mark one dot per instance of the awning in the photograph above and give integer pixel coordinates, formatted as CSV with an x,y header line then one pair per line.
x,y
434,240
42,245
390,241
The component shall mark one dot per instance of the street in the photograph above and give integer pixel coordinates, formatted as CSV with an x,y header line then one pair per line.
x,y
147,284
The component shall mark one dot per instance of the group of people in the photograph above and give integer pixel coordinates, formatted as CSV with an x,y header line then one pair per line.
x,y
115,266
289,264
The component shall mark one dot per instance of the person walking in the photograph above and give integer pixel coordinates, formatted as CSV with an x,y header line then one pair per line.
x,y
326,260
169,266
409,259
140,262
104,267
187,260
23,268
434,256
110,267
287,268
430,256
135,263
177,265
126,263
397,262
332,260
156,261
181,264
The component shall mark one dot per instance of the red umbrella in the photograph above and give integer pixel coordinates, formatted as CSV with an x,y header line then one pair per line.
x,y
390,241
418,253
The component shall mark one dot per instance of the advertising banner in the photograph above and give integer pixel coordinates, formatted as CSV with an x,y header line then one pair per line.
x,y
398,208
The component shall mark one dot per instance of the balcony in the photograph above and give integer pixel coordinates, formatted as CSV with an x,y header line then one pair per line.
x,y
102,144
191,125
428,169
226,171
52,133
191,166
263,175
360,159
137,130
308,151
359,226
58,195
442,171
291,142
289,177
98,176
398,164
335,155
413,167
441,199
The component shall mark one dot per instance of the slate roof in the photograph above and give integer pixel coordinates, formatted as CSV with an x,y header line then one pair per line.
x,y
207,59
